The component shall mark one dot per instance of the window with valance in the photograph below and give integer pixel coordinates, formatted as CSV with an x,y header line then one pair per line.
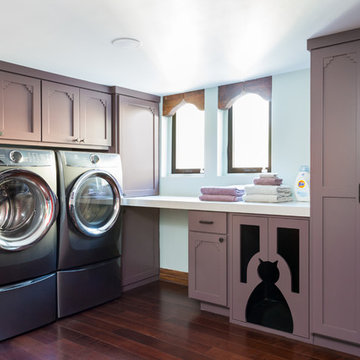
x,y
188,128
249,124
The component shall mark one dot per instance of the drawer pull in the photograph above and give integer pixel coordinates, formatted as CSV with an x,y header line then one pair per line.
x,y
221,240
206,222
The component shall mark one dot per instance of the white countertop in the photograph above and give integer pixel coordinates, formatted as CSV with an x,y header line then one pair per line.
x,y
293,208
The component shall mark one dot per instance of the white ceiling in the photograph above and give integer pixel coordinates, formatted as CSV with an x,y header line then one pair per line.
x,y
187,44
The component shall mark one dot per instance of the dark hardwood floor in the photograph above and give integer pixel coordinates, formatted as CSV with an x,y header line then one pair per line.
x,y
156,321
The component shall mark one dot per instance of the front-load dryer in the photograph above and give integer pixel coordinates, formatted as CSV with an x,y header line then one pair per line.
x,y
90,228
28,239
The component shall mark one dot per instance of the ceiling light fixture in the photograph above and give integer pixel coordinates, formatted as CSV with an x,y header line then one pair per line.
x,y
126,43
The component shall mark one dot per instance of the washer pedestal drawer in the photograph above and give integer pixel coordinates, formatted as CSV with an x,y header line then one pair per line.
x,y
27,305
82,288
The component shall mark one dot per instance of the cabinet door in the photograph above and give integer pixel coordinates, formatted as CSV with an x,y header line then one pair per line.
x,y
95,118
60,113
249,245
20,112
140,245
138,145
289,246
208,267
335,178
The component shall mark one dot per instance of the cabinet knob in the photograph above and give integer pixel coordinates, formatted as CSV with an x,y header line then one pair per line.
x,y
221,240
76,140
82,140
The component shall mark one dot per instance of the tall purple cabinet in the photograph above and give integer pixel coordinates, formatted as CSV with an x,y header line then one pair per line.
x,y
138,145
335,191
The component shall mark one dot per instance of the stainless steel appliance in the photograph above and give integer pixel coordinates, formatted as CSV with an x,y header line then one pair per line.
x,y
90,227
28,239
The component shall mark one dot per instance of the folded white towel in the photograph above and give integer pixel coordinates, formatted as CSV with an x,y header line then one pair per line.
x,y
266,175
266,198
267,189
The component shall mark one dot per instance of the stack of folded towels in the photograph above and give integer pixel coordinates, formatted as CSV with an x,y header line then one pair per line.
x,y
222,193
267,188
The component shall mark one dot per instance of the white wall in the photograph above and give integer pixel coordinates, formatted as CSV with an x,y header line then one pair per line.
x,y
290,148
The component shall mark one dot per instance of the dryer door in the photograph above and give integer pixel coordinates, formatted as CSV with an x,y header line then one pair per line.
x,y
94,202
28,208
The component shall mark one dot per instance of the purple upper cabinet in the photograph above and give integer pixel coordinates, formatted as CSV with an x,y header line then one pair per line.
x,y
335,179
60,113
20,110
138,145
95,118
75,116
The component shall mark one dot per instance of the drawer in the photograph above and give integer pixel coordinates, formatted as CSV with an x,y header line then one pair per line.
x,y
207,221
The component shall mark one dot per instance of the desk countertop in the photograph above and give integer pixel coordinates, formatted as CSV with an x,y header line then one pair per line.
x,y
301,209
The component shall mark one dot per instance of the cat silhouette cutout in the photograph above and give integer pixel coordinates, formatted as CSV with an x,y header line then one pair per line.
x,y
267,305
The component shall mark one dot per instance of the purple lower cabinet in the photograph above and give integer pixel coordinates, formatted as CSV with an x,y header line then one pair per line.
x,y
208,267
289,247
270,273
249,244
140,246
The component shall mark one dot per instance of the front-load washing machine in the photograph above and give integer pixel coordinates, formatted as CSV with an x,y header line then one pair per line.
x,y
89,268
28,239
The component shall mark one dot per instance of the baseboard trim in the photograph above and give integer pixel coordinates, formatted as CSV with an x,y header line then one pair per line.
x,y
173,276
215,309
139,283
337,345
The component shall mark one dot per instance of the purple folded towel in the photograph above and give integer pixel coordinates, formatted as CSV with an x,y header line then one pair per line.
x,y
223,190
229,198
268,181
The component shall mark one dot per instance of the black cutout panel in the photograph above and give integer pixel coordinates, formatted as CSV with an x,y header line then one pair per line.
x,y
288,248
249,246
267,305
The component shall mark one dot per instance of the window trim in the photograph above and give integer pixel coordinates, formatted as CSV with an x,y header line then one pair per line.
x,y
247,170
174,170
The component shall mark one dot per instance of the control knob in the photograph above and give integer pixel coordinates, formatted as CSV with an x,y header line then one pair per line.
x,y
94,158
15,156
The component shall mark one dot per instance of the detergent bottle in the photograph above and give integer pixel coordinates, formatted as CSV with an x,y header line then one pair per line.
x,y
302,184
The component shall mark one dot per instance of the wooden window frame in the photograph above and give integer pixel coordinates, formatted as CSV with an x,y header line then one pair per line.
x,y
174,169
247,170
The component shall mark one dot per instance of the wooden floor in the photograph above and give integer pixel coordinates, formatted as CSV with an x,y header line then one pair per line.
x,y
156,321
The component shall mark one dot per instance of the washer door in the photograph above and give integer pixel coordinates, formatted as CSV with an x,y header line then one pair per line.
x,y
94,202
28,208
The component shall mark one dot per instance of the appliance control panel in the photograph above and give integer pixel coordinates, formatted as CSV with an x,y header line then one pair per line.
x,y
26,157
90,160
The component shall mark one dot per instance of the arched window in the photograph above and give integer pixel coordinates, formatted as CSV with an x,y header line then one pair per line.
x,y
188,133
249,134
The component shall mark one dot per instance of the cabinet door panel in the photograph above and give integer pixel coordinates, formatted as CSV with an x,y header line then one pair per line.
x,y
20,112
140,244
60,113
249,245
138,140
335,229
95,118
289,245
208,267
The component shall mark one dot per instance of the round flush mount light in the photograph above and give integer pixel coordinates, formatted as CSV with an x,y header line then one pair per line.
x,y
126,43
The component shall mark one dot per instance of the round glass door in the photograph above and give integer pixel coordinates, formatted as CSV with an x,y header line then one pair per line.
x,y
28,208
94,202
